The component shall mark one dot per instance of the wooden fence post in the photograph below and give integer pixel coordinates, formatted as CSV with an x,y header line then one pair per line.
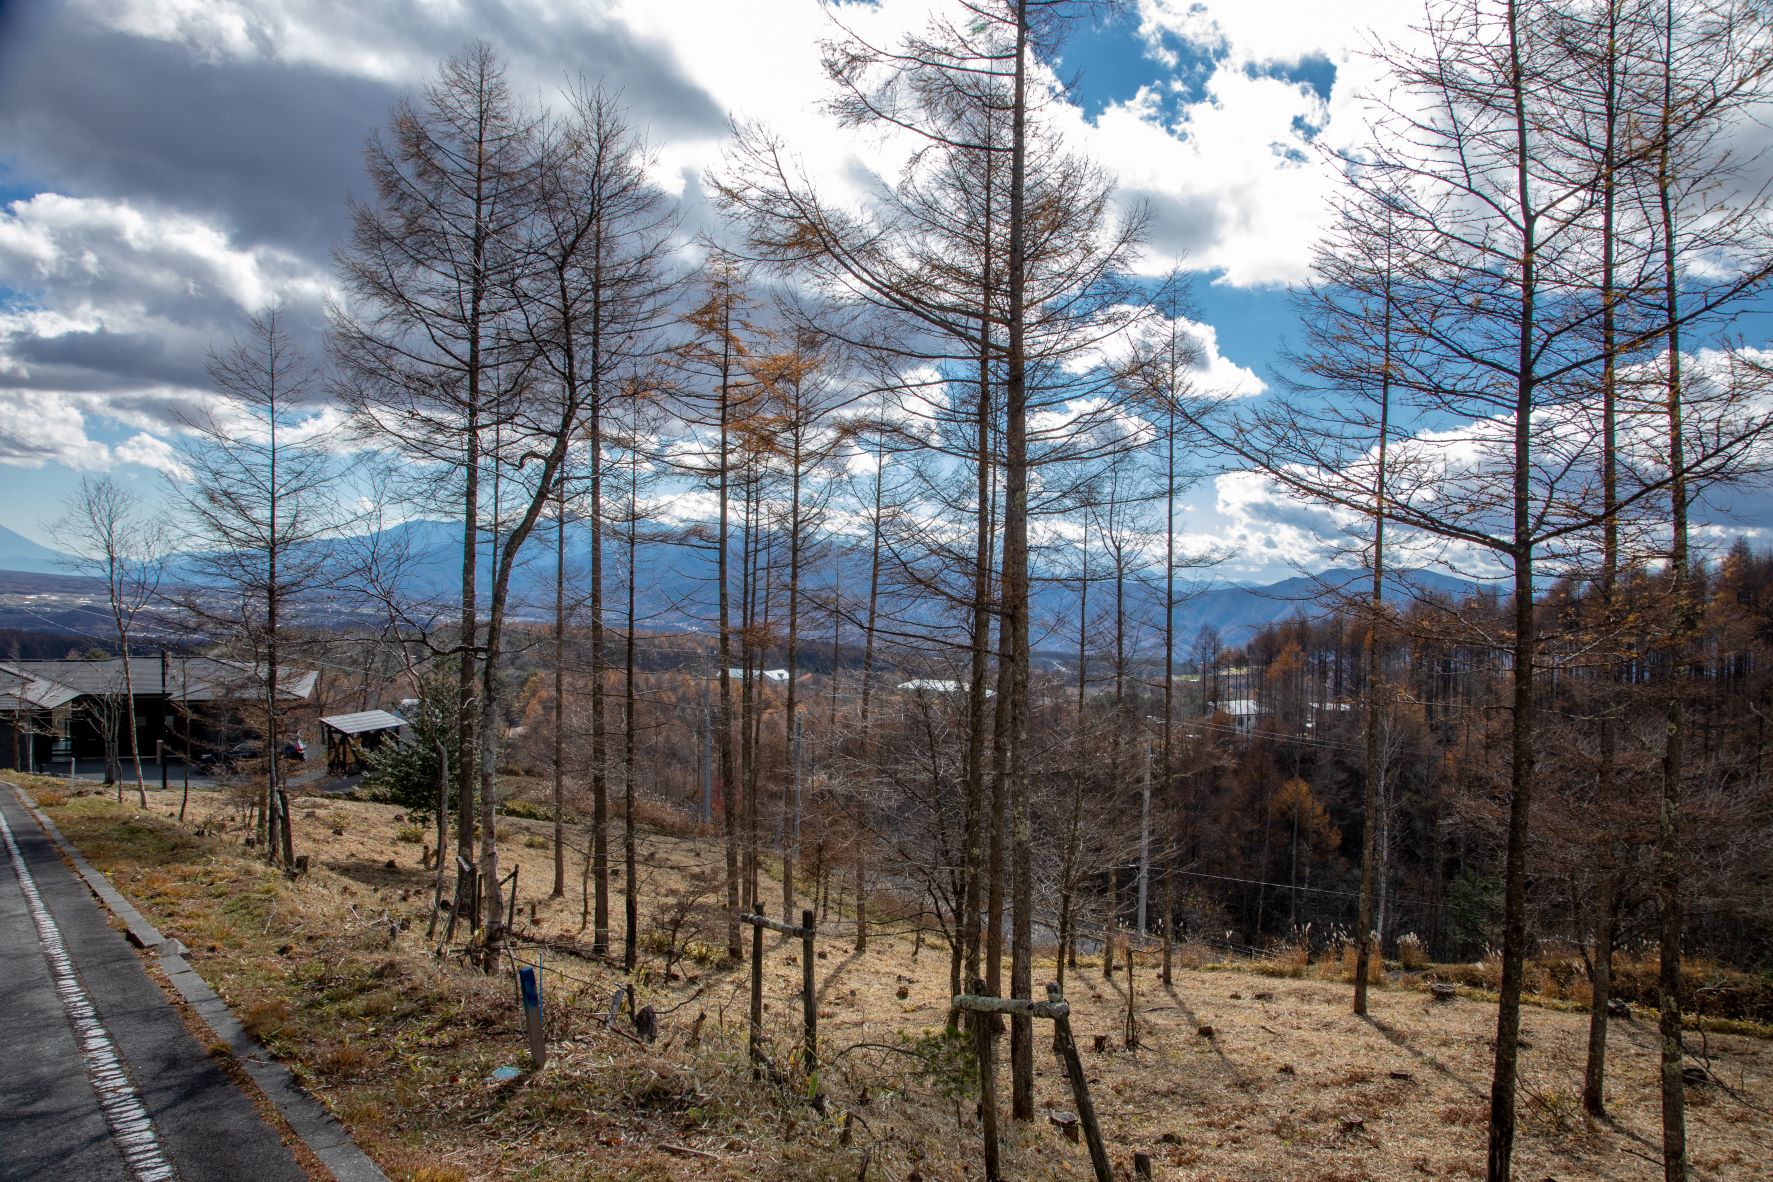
x,y
1130,1036
1080,1086
811,1002
754,1044
984,1009
983,1034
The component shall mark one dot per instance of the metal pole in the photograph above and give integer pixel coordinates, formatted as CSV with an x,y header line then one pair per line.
x,y
1144,837
707,761
794,839
185,697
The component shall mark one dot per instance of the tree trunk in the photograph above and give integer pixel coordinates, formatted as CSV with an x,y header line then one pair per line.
x,y
724,718
1016,597
559,891
1373,791
1499,1159
1594,1074
599,668
631,889
1668,834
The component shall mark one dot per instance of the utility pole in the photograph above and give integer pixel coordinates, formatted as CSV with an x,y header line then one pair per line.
x,y
794,839
707,761
1144,837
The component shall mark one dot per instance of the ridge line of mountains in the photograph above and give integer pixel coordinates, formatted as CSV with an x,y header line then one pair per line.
x,y
39,592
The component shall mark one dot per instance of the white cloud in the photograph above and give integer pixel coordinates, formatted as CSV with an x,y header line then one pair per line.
x,y
345,37
1237,178
39,427
1231,174
152,452
1275,31
1193,343
72,252
120,306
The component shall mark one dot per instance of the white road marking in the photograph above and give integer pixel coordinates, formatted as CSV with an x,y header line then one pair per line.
x,y
121,1103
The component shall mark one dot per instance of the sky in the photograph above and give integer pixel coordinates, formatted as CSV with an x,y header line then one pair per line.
x,y
168,166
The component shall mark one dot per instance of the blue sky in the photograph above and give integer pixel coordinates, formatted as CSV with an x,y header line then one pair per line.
x,y
169,166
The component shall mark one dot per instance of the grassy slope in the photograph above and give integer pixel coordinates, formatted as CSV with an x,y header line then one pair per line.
x,y
400,1044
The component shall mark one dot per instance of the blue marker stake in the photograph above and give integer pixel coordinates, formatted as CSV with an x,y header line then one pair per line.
x,y
532,1014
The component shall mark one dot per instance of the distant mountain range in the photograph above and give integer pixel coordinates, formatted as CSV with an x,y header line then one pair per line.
x,y
19,553
36,590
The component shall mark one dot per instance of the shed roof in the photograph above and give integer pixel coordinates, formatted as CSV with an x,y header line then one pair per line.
x,y
363,722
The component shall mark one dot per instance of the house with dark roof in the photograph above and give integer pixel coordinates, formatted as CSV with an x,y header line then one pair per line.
x,y
191,703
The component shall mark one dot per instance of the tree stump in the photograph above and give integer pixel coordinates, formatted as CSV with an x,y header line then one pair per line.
x,y
1100,1045
1065,1122
1443,991
1141,1164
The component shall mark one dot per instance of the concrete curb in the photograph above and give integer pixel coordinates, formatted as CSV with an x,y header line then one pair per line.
x,y
307,1117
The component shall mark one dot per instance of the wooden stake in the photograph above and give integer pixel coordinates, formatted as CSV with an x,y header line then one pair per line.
x,y
810,1003
756,1038
1131,1035
1080,1087
983,1008
983,1035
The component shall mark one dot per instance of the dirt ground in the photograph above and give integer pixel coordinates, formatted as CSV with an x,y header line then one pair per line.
x,y
1237,1075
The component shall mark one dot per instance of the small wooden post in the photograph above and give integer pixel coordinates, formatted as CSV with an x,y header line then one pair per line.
x,y
1131,1035
1080,1085
756,1039
983,1036
468,888
810,1003
1141,1164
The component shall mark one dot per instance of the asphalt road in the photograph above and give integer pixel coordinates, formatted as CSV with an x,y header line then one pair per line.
x,y
99,1077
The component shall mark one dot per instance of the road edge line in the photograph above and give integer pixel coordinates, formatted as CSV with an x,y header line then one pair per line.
x,y
307,1117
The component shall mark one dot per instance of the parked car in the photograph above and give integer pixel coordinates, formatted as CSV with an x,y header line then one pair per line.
x,y
243,752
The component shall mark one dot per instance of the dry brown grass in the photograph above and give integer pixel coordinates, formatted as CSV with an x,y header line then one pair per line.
x,y
399,1044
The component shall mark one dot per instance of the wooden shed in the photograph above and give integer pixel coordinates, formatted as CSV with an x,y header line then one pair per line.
x,y
349,736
